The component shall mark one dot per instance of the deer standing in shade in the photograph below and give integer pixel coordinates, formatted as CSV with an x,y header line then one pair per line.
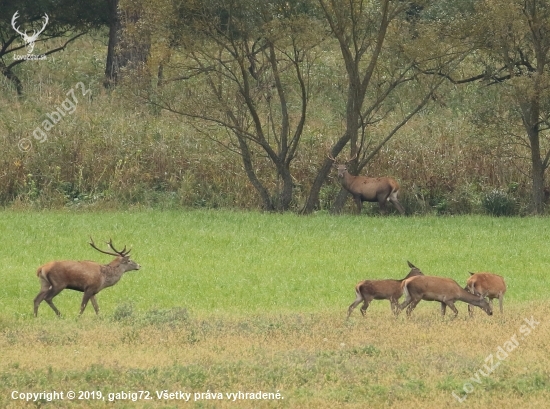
x,y
366,189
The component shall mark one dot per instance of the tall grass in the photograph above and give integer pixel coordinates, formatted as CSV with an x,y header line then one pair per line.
x,y
114,151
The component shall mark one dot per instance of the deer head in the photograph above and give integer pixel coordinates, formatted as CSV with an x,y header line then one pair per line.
x,y
341,167
122,258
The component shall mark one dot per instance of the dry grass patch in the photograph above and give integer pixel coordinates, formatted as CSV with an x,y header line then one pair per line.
x,y
315,360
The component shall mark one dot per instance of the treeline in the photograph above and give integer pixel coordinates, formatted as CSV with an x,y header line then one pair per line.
x,y
238,103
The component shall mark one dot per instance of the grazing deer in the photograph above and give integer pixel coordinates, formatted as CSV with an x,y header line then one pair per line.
x,y
486,285
365,189
86,276
369,290
444,290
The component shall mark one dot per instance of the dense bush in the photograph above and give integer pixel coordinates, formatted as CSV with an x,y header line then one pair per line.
x,y
497,202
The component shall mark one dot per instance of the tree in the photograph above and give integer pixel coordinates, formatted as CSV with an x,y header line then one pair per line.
x,y
66,18
512,39
383,53
243,81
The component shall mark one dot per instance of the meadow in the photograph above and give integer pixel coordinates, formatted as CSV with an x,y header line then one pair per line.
x,y
230,301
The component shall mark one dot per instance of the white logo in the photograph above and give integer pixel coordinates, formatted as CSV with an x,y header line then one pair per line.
x,y
29,39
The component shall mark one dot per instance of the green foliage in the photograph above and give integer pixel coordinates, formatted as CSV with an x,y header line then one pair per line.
x,y
499,203
123,312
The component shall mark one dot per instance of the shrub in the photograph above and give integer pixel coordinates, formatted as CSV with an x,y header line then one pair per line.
x,y
499,203
123,312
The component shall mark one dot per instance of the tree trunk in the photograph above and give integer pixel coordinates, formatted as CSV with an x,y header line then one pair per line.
x,y
114,32
340,201
312,201
249,169
286,193
530,114
537,173
123,50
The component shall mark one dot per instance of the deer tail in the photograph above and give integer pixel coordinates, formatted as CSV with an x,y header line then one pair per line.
x,y
42,274
405,289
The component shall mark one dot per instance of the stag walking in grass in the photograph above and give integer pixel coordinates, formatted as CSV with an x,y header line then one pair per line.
x,y
366,189
369,290
444,290
85,276
486,285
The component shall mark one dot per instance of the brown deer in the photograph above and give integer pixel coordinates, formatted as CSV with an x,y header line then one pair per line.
x,y
444,290
365,189
369,290
85,276
486,285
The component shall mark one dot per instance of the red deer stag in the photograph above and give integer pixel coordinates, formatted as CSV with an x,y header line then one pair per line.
x,y
486,285
444,290
369,290
365,189
84,276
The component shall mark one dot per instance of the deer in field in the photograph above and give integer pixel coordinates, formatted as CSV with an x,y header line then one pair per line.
x,y
366,189
88,277
444,290
486,285
369,290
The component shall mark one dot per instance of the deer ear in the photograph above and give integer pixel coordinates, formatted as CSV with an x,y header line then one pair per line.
x,y
471,273
411,265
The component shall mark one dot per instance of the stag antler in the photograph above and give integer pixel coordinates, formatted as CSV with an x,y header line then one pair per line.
x,y
332,158
116,253
352,158
122,253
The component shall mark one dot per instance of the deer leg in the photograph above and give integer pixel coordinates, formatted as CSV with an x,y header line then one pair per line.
x,y
401,307
470,310
395,202
412,306
94,303
359,203
87,295
366,303
443,308
53,307
394,306
382,205
48,296
451,305
38,299
45,287
357,301
500,297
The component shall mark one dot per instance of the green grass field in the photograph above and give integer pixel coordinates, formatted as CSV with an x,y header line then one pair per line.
x,y
241,301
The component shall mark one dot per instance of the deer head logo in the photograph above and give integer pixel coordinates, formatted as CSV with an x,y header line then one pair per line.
x,y
29,39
